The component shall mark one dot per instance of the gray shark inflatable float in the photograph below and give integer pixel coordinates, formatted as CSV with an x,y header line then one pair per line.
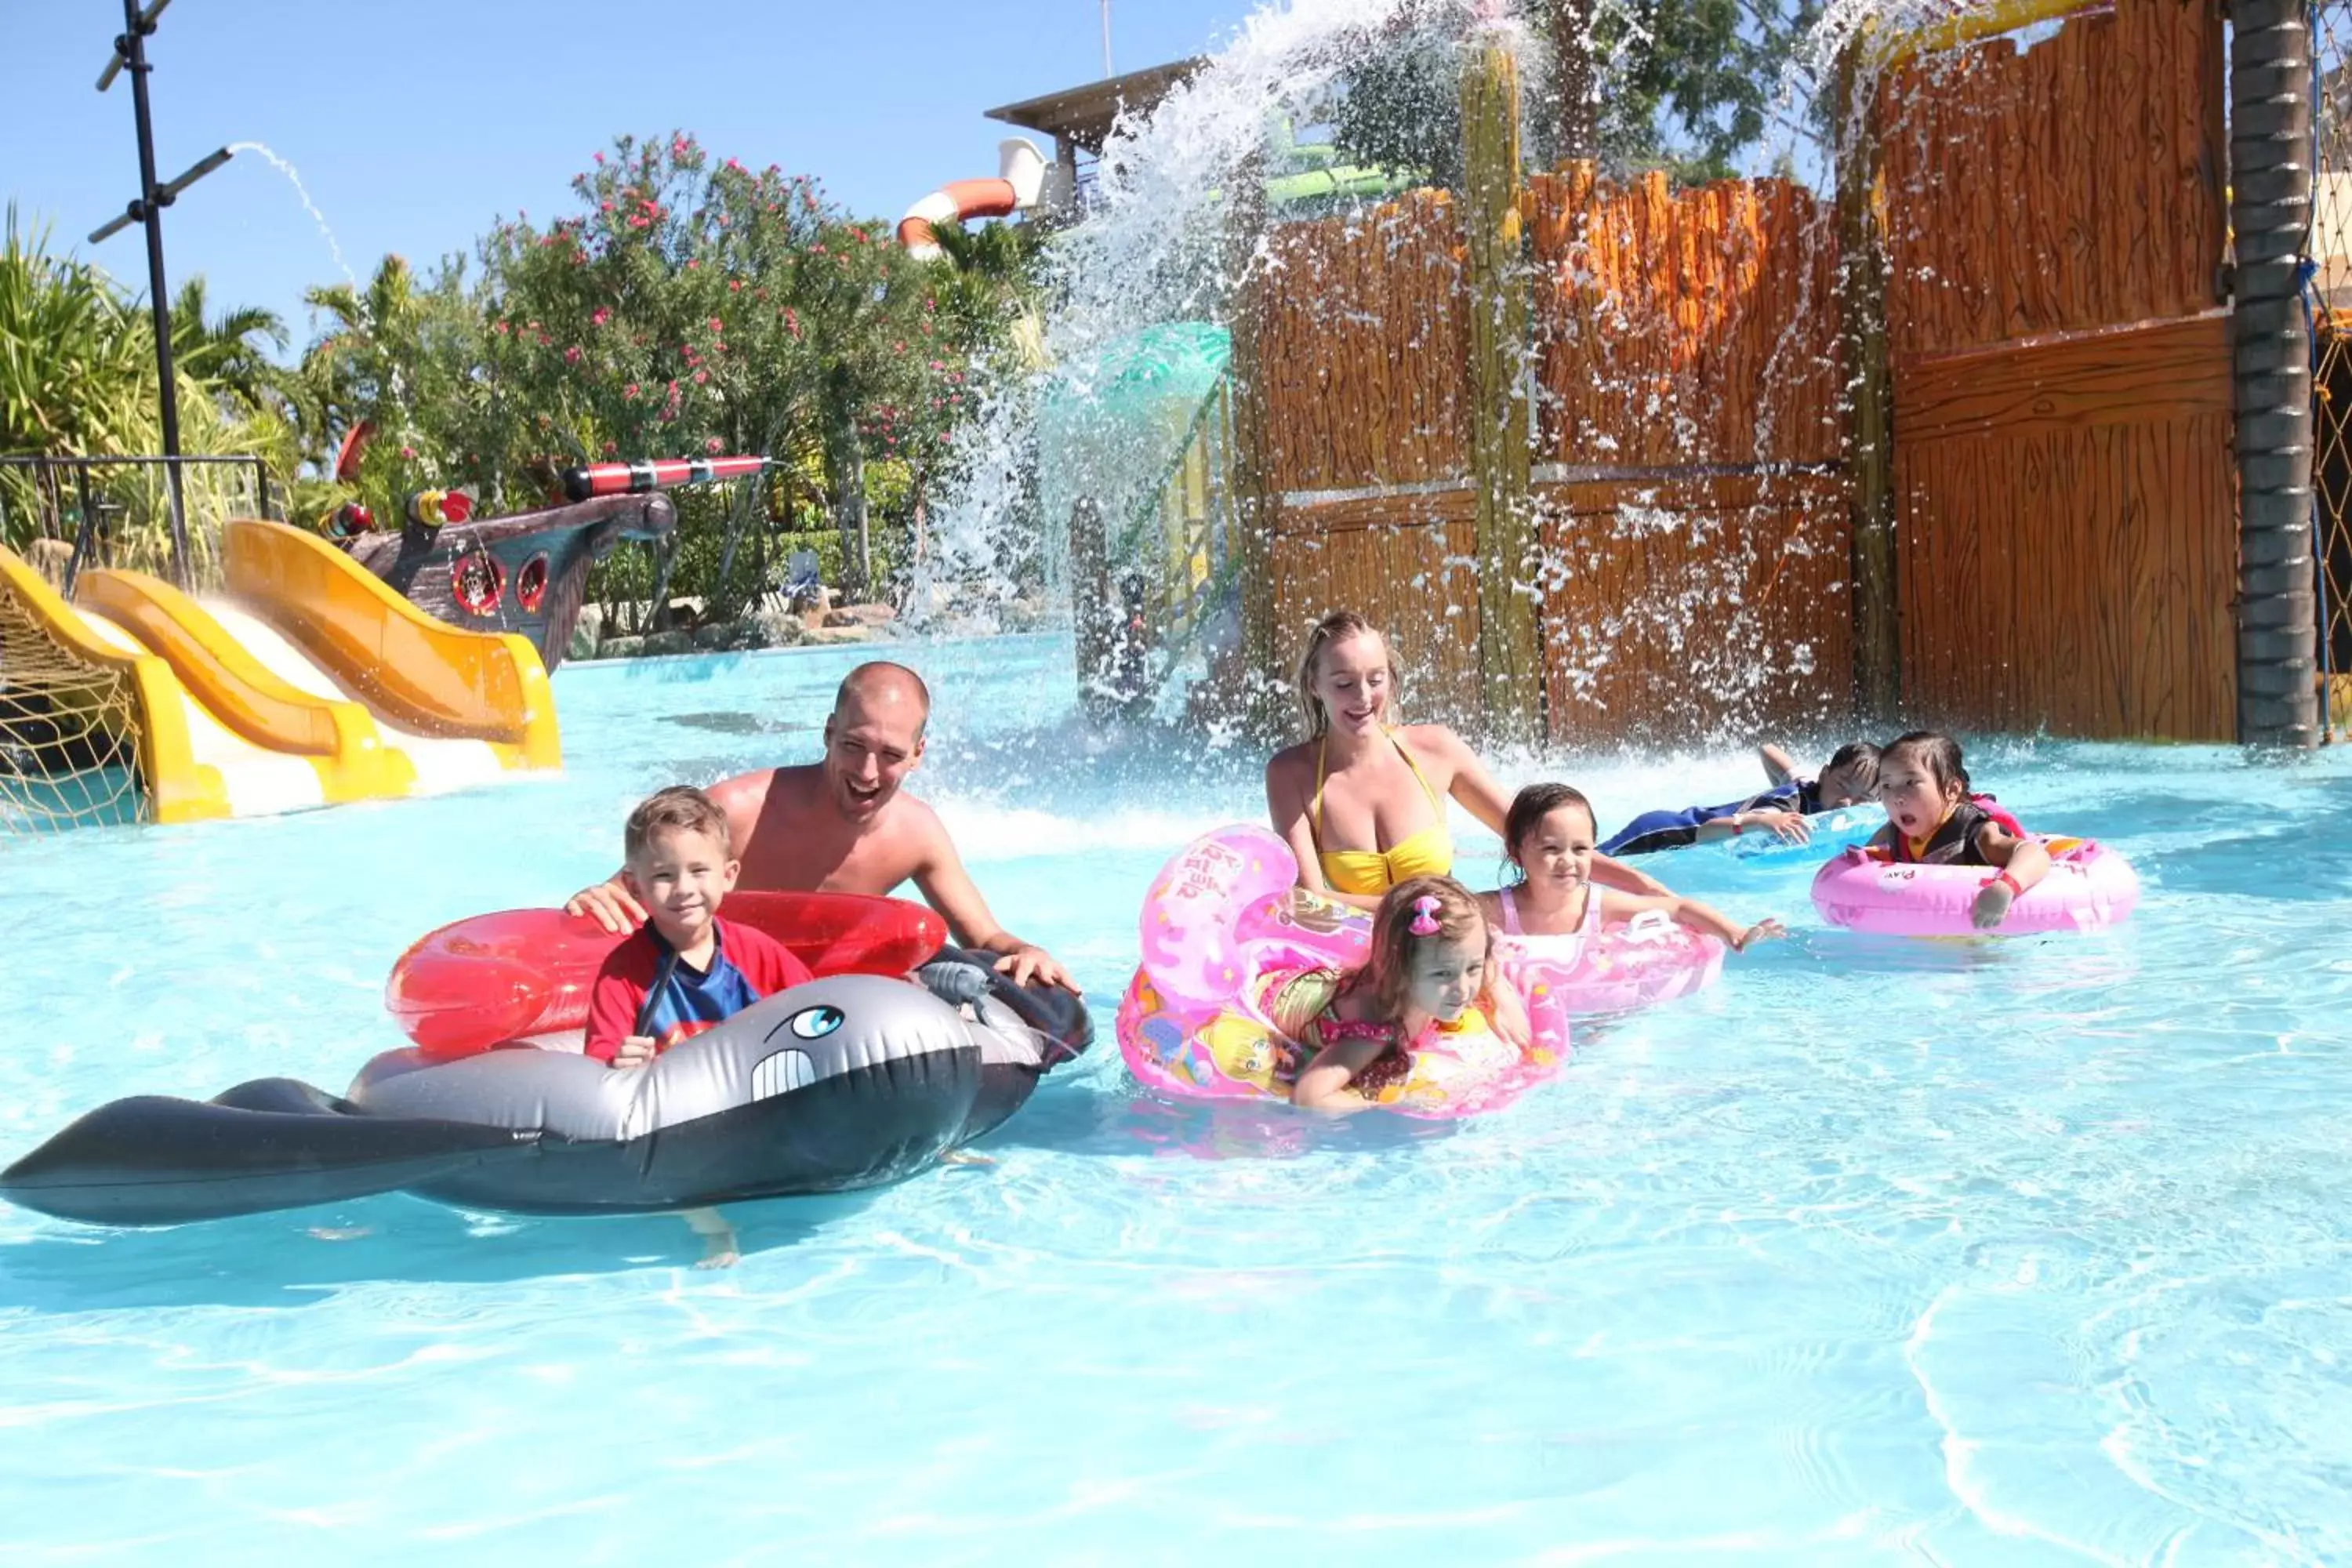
x,y
848,1081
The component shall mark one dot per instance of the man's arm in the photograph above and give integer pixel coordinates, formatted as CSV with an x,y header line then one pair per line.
x,y
1779,766
948,888
610,903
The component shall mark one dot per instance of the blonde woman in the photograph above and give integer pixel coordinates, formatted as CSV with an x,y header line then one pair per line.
x,y
1361,801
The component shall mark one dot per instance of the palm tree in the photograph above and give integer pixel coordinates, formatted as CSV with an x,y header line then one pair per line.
x,y
222,352
75,374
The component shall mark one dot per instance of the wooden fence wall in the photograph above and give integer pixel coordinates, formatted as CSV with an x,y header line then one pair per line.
x,y
1690,516
2066,508
1693,516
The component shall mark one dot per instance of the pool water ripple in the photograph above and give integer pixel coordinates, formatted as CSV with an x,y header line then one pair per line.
x,y
1969,1253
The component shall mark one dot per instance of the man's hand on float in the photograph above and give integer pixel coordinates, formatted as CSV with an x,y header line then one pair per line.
x,y
1027,963
610,905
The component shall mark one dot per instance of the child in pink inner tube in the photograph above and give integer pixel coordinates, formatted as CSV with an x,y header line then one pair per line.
x,y
1427,980
1555,909
1932,820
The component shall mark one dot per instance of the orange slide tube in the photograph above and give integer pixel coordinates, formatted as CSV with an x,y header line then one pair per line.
x,y
339,738
416,672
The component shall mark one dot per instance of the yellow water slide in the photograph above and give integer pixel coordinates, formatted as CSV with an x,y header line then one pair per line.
x,y
308,682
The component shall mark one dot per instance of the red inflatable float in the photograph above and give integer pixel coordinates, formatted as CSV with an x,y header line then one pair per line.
x,y
490,978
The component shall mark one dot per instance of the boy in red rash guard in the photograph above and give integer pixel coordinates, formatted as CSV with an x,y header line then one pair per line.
x,y
687,969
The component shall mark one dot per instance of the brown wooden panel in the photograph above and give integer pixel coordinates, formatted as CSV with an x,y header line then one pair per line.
x,y
1362,348
2076,184
1415,580
1677,326
2150,370
1697,607
2073,577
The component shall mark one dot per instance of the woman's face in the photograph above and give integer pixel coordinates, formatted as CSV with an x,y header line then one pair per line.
x,y
1351,682
1557,853
1915,803
1445,977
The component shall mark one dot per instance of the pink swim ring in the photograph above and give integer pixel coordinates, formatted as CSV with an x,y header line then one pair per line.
x,y
2089,888
1225,941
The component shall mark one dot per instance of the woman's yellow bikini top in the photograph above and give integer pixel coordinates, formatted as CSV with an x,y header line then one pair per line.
x,y
1428,853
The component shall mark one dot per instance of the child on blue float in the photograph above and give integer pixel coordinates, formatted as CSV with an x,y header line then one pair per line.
x,y
1427,972
1554,910
686,969
1933,819
1780,810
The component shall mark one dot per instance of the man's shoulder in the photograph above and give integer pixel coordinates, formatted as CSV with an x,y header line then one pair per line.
x,y
754,788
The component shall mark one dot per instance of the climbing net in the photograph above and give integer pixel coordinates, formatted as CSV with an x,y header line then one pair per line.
x,y
68,733
2329,251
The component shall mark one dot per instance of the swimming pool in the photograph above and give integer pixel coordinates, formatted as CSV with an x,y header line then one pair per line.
x,y
2005,1252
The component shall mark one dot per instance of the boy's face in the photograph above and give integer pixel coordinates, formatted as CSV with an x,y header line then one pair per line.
x,y
681,876
1842,786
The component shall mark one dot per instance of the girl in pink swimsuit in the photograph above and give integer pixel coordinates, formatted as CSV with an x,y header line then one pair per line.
x,y
1555,909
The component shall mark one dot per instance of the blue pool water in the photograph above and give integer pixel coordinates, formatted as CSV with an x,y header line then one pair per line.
x,y
2016,1253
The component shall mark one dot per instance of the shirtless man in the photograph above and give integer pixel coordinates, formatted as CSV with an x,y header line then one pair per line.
x,y
842,825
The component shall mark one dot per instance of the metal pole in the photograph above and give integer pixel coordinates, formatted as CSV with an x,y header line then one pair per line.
x,y
81,534
1106,16
134,52
261,490
2269,214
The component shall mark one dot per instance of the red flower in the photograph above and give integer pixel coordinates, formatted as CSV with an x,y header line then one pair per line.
x,y
701,376
610,448
630,391
599,316
408,453
572,355
716,325
711,445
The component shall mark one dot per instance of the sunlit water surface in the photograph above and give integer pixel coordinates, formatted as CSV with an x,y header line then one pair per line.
x,y
1994,1253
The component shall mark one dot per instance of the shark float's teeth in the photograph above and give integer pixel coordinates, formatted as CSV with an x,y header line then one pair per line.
x,y
781,1073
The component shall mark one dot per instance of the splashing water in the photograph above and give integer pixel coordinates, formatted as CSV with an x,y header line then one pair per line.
x,y
1163,245
1157,247
294,177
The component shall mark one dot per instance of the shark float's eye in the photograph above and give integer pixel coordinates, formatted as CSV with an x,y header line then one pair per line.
x,y
815,1023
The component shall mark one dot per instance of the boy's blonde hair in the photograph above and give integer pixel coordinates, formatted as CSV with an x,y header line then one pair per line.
x,y
678,806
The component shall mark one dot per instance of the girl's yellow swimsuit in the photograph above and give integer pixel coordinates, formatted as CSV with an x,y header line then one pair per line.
x,y
1428,853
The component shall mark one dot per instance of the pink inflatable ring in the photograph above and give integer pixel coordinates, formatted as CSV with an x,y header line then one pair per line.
x,y
1223,934
2089,888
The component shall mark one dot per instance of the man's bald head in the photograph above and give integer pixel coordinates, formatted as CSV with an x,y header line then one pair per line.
x,y
878,687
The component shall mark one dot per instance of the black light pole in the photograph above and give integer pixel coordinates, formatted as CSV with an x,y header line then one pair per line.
x,y
131,50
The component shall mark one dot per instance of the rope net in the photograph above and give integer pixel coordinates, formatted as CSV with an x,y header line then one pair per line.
x,y
68,733
2330,252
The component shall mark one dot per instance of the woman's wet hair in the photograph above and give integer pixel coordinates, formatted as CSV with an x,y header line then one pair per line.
x,y
1336,626
1932,750
1530,806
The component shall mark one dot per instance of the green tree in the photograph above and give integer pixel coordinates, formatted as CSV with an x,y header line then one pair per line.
x,y
1686,85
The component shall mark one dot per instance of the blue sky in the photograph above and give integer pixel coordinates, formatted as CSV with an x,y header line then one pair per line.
x,y
416,124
